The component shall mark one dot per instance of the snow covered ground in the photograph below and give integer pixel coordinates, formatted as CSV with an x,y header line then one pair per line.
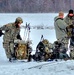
x,y
24,68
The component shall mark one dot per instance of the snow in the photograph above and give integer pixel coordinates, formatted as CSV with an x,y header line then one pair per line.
x,y
60,67
53,68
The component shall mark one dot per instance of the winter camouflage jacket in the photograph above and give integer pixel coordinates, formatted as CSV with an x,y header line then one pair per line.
x,y
60,27
11,32
69,21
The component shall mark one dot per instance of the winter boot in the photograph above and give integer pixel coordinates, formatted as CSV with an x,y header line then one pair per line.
x,y
10,60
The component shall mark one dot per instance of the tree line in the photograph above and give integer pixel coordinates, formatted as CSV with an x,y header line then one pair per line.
x,y
35,6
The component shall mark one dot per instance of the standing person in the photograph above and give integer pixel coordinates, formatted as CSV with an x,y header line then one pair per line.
x,y
69,19
60,29
60,26
12,32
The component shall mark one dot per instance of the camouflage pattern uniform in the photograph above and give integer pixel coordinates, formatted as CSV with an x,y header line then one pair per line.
x,y
70,22
43,50
48,46
11,32
72,44
48,49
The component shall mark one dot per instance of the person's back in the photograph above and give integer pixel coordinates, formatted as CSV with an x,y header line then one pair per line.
x,y
60,29
60,26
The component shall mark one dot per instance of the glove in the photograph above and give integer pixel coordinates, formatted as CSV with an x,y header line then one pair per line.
x,y
1,33
19,37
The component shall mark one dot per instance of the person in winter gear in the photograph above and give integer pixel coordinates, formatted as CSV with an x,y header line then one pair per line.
x,y
12,31
56,50
40,52
43,50
60,26
60,29
59,51
70,30
69,19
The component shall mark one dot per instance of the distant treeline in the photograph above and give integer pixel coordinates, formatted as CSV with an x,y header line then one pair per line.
x,y
35,6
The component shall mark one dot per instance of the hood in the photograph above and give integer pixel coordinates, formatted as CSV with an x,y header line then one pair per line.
x,y
56,18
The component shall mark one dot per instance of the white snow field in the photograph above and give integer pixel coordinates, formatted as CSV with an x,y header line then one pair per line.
x,y
31,68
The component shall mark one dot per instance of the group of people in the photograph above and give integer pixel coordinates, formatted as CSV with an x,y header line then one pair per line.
x,y
61,48
64,32
64,28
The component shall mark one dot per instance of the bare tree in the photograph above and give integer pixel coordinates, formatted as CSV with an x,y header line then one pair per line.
x,y
35,6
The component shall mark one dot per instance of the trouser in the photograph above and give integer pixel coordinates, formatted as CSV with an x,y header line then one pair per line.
x,y
64,42
72,54
63,56
9,49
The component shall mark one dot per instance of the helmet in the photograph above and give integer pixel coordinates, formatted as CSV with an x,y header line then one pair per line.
x,y
18,20
45,41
